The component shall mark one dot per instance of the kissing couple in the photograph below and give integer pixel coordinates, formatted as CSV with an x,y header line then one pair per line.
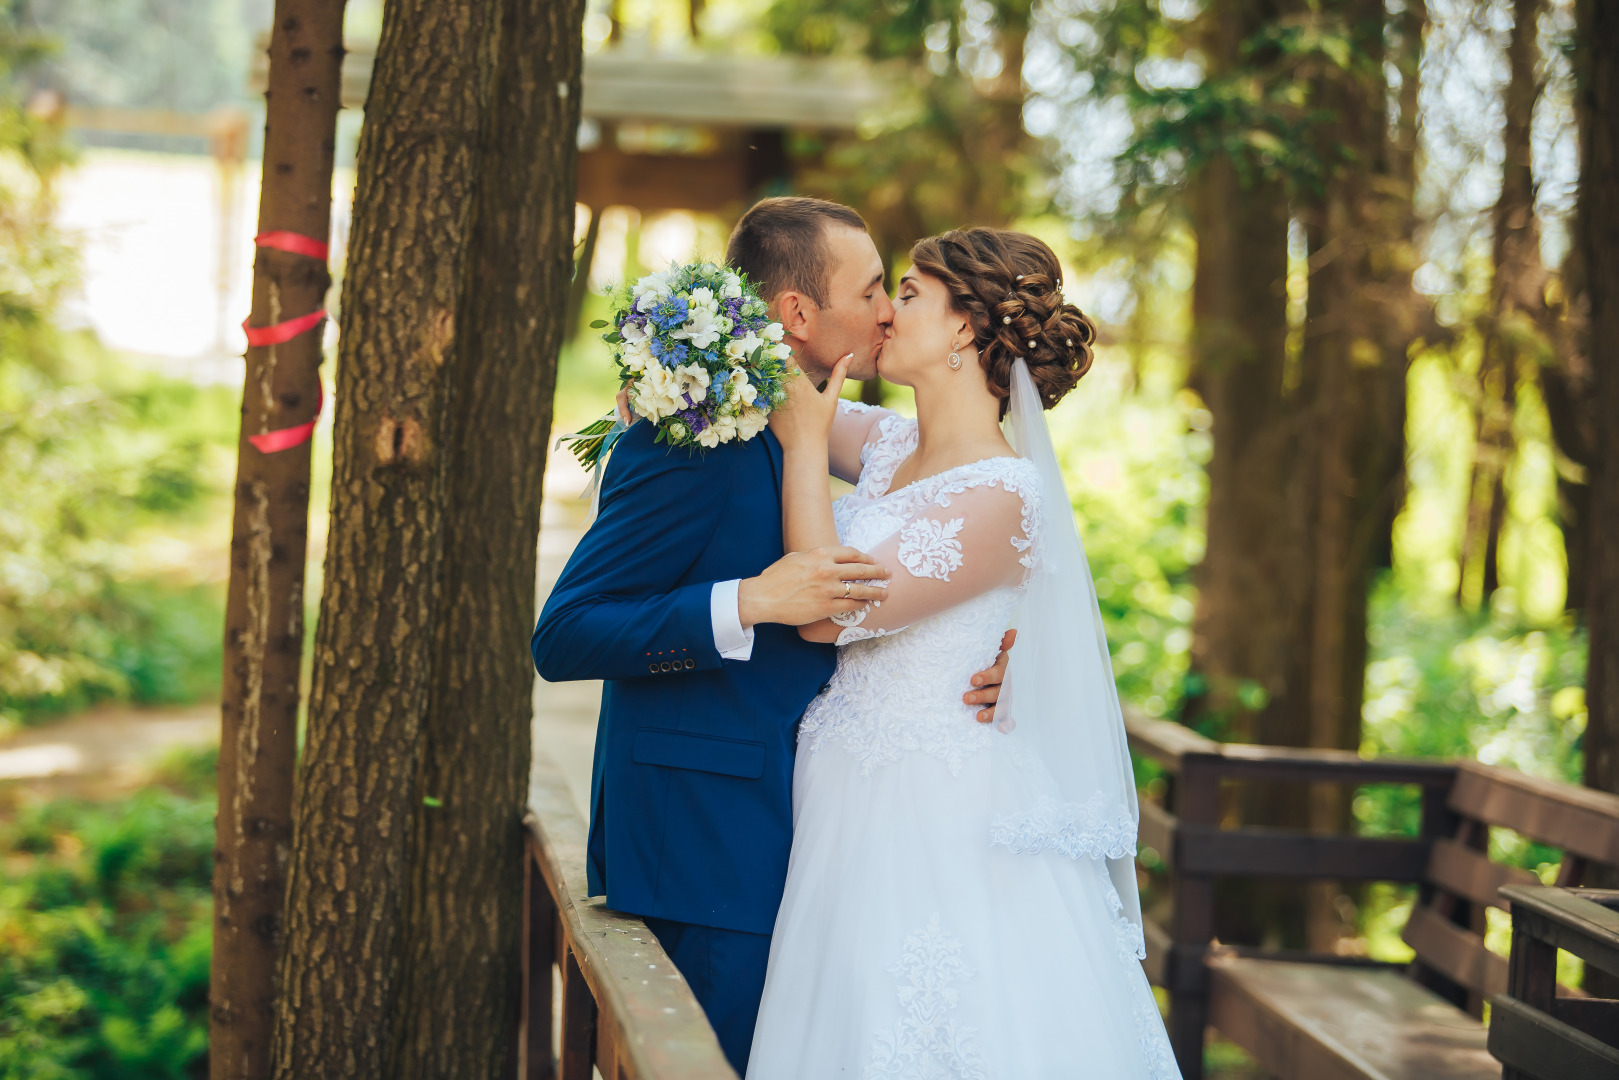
x,y
868,854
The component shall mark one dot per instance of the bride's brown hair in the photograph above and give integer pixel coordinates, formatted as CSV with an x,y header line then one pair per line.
x,y
1009,285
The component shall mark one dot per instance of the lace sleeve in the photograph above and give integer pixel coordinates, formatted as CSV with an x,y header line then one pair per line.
x,y
960,545
852,429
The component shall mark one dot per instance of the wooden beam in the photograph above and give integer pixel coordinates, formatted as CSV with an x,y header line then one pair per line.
x,y
1470,874
711,183
1242,761
1165,741
628,975
1208,851
1568,921
1454,952
1541,1046
1575,819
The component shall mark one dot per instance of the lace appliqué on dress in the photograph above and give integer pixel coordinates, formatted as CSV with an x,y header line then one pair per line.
x,y
1089,830
927,1043
929,548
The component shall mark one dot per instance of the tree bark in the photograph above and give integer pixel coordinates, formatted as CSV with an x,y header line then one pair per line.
x,y
1517,305
454,304
1244,625
1359,326
269,543
457,1008
1599,198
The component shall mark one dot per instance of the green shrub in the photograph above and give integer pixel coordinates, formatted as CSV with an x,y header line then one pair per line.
x,y
105,936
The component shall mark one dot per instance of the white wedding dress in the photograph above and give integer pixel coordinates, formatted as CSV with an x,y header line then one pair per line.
x,y
942,918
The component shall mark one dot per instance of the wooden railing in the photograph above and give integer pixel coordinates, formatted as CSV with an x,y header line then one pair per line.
x,y
598,989
1185,831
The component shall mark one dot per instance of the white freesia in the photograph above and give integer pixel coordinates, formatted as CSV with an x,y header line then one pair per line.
x,y
773,331
740,389
709,437
653,286
637,357
693,381
730,287
751,422
701,328
781,350
740,348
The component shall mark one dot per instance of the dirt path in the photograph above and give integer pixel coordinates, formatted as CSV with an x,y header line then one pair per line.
x,y
109,750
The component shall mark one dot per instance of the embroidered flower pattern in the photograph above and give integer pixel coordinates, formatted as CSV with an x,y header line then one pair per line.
x,y
927,1043
929,548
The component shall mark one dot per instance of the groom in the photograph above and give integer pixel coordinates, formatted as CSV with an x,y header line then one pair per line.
x,y
681,599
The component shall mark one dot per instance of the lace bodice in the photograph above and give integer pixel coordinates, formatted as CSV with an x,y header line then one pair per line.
x,y
960,544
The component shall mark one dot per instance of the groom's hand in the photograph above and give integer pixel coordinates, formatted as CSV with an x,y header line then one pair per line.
x,y
807,586
988,682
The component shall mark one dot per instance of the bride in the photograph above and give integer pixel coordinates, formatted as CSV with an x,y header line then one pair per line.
x,y
961,898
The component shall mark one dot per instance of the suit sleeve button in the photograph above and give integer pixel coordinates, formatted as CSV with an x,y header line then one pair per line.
x,y
664,666
652,668
690,664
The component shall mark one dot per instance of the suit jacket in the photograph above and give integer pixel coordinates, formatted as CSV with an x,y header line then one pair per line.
x,y
691,791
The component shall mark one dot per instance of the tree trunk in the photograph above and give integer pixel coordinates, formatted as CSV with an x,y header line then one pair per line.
x,y
1599,215
1518,303
457,1009
1353,388
269,544
1248,620
579,287
454,302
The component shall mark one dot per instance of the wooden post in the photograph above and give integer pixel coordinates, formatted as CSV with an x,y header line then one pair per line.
x,y
578,1022
1532,975
265,604
1197,802
538,1058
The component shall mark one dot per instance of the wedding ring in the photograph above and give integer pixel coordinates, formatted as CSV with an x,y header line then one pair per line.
x,y
847,585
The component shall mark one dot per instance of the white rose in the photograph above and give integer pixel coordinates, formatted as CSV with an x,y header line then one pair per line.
x,y
702,297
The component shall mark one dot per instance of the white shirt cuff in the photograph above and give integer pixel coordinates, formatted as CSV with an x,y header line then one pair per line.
x,y
730,638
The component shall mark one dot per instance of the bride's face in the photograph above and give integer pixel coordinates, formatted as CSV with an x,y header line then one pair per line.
x,y
924,332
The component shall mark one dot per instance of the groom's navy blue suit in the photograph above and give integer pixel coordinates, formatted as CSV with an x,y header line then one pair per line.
x,y
691,792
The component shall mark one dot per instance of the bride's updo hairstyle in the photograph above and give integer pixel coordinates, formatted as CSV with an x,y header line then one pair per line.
x,y
1009,285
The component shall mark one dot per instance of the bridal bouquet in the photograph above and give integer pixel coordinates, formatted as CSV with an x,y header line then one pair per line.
x,y
698,355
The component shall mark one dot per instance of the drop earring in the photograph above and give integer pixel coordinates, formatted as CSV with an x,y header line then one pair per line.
x,y
954,360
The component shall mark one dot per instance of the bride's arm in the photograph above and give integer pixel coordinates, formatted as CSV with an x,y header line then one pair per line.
x,y
803,424
968,542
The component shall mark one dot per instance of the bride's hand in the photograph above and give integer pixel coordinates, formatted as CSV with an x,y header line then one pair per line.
x,y
805,419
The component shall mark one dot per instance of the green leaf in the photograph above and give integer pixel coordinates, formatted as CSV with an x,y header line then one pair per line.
x,y
597,324
429,800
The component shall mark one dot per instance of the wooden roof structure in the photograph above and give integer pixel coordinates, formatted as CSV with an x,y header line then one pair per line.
x,y
689,130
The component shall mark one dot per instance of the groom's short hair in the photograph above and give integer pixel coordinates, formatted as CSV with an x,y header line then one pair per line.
x,y
780,243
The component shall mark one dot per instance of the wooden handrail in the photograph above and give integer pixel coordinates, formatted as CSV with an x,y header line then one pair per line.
x,y
624,1007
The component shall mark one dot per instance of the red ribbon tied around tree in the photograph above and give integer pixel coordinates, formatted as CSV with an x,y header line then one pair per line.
x,y
273,442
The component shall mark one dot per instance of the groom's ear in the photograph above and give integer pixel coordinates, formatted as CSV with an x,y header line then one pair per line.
x,y
796,313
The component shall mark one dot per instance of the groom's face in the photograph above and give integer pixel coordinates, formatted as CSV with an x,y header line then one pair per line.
x,y
857,312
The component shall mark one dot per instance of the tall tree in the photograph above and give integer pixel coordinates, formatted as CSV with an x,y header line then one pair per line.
x,y
1599,237
1289,118
402,912
1510,330
264,614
